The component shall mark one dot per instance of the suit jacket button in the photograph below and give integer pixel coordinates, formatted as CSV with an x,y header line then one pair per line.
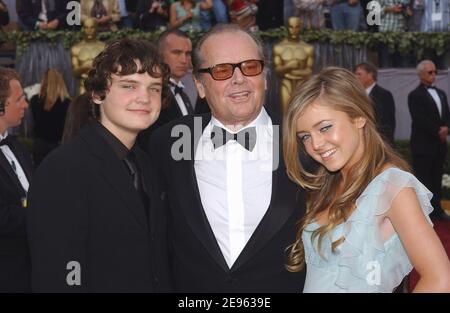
x,y
162,196
155,280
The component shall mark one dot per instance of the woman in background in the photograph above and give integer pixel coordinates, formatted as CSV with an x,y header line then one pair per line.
x,y
80,113
49,109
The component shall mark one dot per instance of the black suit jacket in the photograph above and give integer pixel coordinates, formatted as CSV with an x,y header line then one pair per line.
x,y
197,261
84,208
426,121
29,10
385,111
14,256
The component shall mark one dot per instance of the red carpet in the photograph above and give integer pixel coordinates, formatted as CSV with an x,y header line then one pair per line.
x,y
442,228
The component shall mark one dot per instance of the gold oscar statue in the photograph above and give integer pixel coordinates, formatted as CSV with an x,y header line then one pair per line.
x,y
293,61
84,52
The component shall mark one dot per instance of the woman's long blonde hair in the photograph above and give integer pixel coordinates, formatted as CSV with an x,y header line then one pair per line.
x,y
53,88
339,89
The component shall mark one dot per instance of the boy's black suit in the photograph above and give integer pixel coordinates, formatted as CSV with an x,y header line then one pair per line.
x,y
84,208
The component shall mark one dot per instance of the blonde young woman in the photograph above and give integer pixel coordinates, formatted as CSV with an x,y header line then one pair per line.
x,y
367,221
49,110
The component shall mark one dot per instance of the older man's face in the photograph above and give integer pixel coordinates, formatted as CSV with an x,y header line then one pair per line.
x,y
428,74
238,100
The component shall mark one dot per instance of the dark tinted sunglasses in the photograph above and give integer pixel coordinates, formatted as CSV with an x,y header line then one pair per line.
x,y
224,71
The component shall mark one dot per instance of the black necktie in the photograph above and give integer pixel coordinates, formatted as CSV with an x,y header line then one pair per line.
x,y
130,162
246,137
135,173
431,87
184,97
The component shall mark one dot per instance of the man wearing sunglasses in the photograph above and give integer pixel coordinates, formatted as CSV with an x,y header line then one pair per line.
x,y
232,208
430,124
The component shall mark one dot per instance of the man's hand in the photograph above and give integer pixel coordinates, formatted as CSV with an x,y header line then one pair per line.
x,y
154,7
443,133
42,25
53,24
409,12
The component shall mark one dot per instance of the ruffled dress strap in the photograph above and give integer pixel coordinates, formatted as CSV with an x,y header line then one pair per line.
x,y
369,263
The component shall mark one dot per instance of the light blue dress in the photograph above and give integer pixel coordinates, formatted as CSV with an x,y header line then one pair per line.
x,y
364,262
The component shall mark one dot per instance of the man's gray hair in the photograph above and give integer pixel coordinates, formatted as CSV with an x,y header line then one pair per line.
x,y
422,64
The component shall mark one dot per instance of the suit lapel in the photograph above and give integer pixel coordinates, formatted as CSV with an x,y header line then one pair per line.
x,y
147,181
186,185
114,173
10,172
432,104
444,106
173,109
25,164
25,161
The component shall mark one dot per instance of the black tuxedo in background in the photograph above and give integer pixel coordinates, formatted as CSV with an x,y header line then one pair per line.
x,y
197,261
428,152
172,111
29,10
84,208
14,255
384,112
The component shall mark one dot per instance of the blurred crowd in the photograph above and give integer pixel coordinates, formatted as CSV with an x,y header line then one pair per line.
x,y
201,15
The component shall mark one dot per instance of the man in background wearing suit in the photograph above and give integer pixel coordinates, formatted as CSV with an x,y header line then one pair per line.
x,y
15,175
232,208
175,48
430,116
382,99
95,220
